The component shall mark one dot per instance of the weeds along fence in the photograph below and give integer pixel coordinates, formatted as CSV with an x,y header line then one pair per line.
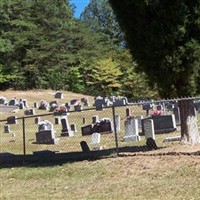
x,y
115,128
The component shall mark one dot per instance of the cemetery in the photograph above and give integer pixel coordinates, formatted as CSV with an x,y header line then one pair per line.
x,y
57,125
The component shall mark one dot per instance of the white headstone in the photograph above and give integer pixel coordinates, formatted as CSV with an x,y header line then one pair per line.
x,y
149,129
117,122
131,130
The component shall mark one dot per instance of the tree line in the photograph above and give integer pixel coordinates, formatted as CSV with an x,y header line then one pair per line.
x,y
43,46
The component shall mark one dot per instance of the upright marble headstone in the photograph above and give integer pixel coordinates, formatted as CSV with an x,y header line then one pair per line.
x,y
149,128
131,130
176,112
117,123
46,133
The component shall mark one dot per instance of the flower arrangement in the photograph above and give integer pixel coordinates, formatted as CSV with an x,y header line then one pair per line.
x,y
62,110
156,112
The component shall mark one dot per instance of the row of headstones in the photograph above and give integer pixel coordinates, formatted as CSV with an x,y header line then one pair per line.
x,y
165,106
148,126
43,105
46,132
21,103
13,119
101,102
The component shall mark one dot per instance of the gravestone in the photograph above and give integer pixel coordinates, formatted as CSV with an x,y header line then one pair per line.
x,y
159,107
12,120
104,126
45,125
13,102
139,118
53,105
25,102
73,128
95,138
162,123
46,133
147,107
66,130
21,105
30,111
59,95
99,104
117,123
84,120
3,100
176,112
87,130
128,112
67,105
7,128
149,129
36,105
78,108
57,120
169,106
84,146
37,120
86,103
95,141
131,130
43,105
74,102
95,119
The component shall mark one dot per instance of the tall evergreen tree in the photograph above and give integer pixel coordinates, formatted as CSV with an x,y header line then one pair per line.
x,y
164,38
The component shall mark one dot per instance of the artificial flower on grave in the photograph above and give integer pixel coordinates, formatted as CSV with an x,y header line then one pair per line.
x,y
60,110
156,112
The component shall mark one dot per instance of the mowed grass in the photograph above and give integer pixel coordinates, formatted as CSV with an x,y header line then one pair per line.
x,y
119,178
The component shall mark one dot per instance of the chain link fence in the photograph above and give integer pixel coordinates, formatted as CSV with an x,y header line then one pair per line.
x,y
134,127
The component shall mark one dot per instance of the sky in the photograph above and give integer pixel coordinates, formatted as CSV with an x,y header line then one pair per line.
x,y
80,5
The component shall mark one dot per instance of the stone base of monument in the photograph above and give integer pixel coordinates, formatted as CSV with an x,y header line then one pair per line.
x,y
129,138
67,133
172,139
46,137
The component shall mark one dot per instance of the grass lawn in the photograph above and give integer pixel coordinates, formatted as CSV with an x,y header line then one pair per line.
x,y
126,177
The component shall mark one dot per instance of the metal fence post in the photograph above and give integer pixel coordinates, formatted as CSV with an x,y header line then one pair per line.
x,y
115,130
24,136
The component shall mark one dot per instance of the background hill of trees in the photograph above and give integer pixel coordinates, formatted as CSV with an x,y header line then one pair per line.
x,y
42,46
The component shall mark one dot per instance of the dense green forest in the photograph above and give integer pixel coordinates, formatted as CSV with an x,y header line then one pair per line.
x,y
43,46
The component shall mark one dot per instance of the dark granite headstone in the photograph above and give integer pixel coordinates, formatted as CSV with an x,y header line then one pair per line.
x,y
84,146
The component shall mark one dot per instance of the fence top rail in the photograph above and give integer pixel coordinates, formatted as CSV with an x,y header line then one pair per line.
x,y
112,106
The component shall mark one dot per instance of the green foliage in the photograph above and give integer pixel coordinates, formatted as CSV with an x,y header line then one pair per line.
x,y
164,38
43,46
104,77
99,16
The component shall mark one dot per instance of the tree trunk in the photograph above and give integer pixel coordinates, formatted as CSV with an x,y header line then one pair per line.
x,y
189,126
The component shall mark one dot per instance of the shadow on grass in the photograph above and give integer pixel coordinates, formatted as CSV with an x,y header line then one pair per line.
x,y
51,158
